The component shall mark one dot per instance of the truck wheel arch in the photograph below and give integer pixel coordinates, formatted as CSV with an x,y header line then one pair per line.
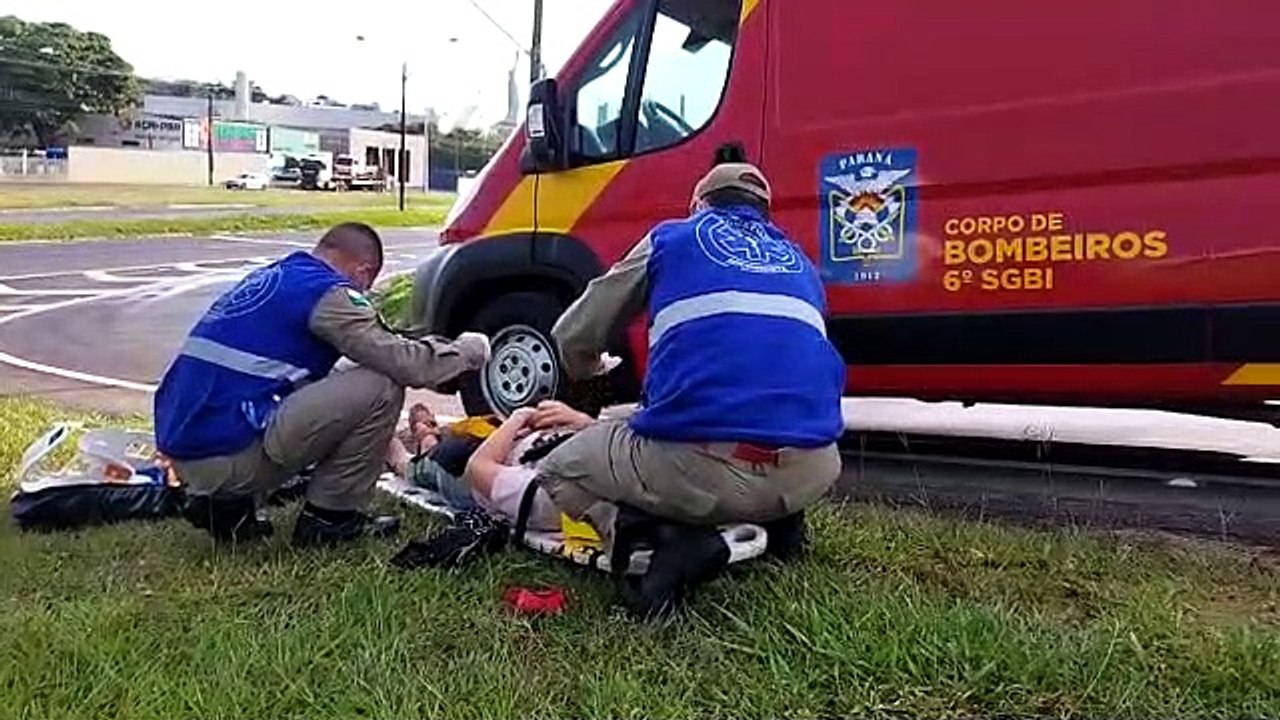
x,y
451,285
455,283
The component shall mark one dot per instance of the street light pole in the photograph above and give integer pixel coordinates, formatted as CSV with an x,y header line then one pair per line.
x,y
401,170
535,51
209,139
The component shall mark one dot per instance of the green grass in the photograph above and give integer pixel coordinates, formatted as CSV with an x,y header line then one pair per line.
x,y
38,195
104,228
394,300
893,612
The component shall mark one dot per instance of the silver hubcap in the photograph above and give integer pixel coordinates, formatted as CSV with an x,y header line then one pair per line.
x,y
522,371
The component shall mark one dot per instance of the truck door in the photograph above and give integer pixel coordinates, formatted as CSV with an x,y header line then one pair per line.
x,y
670,82
645,102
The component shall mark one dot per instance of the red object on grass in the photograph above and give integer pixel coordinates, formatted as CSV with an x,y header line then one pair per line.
x,y
526,601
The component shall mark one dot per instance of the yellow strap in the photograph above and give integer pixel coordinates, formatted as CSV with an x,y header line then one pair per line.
x,y
578,534
477,427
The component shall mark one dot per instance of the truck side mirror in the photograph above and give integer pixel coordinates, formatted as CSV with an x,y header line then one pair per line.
x,y
543,129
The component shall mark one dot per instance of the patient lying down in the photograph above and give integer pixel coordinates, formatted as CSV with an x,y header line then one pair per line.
x,y
502,467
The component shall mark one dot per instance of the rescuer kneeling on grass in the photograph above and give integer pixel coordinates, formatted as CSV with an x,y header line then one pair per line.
x,y
741,406
250,401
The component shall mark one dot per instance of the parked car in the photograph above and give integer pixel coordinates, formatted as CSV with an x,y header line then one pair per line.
x,y
287,175
248,181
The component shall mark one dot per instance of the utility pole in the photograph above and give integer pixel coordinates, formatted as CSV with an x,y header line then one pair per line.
x,y
401,169
535,51
210,139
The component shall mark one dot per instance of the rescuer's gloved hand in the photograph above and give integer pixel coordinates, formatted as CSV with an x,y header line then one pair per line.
x,y
608,363
474,347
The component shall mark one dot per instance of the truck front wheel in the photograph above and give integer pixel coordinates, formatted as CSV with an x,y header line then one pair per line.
x,y
525,367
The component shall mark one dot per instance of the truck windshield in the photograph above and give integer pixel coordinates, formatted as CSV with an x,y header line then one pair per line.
x,y
676,94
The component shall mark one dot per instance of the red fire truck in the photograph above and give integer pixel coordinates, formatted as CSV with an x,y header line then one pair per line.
x,y
1043,202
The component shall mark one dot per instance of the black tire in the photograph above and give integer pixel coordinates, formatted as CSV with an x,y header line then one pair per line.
x,y
534,310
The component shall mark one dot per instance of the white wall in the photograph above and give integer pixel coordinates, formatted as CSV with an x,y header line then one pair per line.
x,y
89,164
415,144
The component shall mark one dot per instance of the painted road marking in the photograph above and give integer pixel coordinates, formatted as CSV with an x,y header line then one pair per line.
x,y
46,369
57,292
148,289
122,268
63,209
152,289
105,276
262,241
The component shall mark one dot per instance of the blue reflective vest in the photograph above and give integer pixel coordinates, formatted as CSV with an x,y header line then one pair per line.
x,y
251,349
737,338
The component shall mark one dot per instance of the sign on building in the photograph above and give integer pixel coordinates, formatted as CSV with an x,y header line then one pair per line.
x,y
294,143
239,137
151,132
193,133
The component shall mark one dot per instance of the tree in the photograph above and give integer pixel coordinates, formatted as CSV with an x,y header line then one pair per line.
x,y
51,73
463,149
186,88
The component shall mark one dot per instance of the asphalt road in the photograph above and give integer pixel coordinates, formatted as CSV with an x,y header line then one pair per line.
x,y
94,324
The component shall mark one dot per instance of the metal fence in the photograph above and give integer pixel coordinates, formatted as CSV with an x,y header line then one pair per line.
x,y
16,164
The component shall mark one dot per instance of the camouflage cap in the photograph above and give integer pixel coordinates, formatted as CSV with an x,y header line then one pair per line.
x,y
737,176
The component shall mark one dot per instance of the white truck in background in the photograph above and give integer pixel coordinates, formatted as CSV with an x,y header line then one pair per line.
x,y
317,171
350,174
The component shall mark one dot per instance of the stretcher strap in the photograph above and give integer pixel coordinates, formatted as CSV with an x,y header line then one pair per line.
x,y
526,507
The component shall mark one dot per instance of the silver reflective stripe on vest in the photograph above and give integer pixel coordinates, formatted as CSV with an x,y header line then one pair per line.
x,y
734,301
241,361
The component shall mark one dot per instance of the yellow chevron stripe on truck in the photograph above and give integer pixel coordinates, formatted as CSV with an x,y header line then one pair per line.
x,y
1255,374
562,198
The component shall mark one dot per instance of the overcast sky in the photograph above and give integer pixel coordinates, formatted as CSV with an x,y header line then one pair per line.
x,y
295,47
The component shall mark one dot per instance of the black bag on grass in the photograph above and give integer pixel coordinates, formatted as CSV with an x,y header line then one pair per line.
x,y
73,506
115,476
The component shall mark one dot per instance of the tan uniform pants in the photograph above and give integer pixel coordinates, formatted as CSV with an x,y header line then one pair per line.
x,y
607,464
342,424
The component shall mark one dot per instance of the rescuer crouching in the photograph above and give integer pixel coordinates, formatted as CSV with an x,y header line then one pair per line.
x,y
741,408
251,399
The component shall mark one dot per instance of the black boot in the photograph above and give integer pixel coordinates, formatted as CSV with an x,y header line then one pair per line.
x,y
295,488
227,519
316,526
632,530
788,537
684,557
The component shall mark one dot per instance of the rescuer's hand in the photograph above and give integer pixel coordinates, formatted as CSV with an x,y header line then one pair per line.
x,y
608,363
553,414
474,347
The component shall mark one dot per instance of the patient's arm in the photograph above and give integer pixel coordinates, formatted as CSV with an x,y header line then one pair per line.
x,y
490,457
398,458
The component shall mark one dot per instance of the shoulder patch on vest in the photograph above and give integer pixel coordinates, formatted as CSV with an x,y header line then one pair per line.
x,y
357,298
